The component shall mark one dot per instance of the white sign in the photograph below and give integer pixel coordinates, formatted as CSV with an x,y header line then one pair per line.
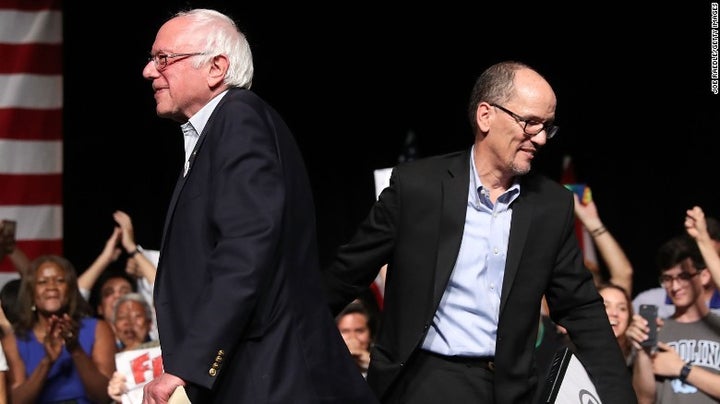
x,y
569,382
139,366
382,179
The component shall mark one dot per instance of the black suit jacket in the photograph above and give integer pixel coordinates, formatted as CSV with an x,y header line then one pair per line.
x,y
417,225
240,310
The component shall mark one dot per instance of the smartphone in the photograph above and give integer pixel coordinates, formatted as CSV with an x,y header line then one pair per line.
x,y
8,230
582,191
650,312
7,235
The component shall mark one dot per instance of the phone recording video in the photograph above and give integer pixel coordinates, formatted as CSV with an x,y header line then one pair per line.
x,y
650,312
582,191
7,235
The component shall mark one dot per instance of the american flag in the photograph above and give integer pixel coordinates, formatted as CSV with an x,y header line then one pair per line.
x,y
31,146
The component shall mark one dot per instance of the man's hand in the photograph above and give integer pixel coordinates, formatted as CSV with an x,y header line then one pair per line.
x,y
158,390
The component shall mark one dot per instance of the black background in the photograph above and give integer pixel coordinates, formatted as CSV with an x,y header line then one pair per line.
x,y
352,78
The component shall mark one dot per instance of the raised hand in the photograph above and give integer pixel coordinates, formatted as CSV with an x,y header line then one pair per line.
x,y
128,234
695,224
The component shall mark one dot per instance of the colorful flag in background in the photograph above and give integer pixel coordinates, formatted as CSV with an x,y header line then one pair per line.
x,y
587,245
31,101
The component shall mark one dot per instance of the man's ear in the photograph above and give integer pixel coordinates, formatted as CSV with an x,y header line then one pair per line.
x,y
218,70
707,280
482,116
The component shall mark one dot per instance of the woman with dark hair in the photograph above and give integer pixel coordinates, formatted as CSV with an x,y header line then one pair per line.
x,y
618,307
8,301
66,354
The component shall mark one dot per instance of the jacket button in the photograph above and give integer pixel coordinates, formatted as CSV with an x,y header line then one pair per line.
x,y
212,372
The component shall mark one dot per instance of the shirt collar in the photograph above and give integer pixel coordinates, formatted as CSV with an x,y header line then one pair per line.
x,y
477,186
201,117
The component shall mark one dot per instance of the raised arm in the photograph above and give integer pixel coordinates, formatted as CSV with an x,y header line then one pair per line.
x,y
144,268
9,248
696,227
110,253
19,259
619,267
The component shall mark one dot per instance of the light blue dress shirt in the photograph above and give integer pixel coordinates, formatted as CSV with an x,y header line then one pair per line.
x,y
466,321
194,127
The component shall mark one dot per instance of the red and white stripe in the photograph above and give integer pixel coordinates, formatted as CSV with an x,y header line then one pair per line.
x,y
31,148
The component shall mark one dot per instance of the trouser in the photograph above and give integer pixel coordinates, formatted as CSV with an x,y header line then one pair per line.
x,y
430,378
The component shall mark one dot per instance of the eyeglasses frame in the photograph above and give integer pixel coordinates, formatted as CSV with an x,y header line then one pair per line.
x,y
682,277
550,130
161,66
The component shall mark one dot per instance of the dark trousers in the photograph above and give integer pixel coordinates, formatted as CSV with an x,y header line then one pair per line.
x,y
429,378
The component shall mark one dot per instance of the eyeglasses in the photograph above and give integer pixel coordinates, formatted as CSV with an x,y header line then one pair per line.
x,y
682,277
530,127
161,59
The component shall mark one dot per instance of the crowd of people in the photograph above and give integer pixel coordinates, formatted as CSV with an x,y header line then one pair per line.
x,y
483,277
50,307
61,330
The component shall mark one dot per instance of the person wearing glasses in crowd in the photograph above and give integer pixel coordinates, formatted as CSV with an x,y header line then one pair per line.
x,y
706,233
684,368
473,240
240,311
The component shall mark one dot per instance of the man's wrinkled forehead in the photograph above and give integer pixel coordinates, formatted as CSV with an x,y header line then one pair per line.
x,y
175,35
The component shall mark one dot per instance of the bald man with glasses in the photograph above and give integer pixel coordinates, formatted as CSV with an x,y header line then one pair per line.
x,y
473,240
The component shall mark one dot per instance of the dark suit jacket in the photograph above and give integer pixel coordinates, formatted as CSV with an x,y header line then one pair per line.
x,y
416,226
240,310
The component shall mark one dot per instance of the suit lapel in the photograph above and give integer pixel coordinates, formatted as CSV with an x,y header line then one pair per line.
x,y
192,162
454,205
519,227
183,178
